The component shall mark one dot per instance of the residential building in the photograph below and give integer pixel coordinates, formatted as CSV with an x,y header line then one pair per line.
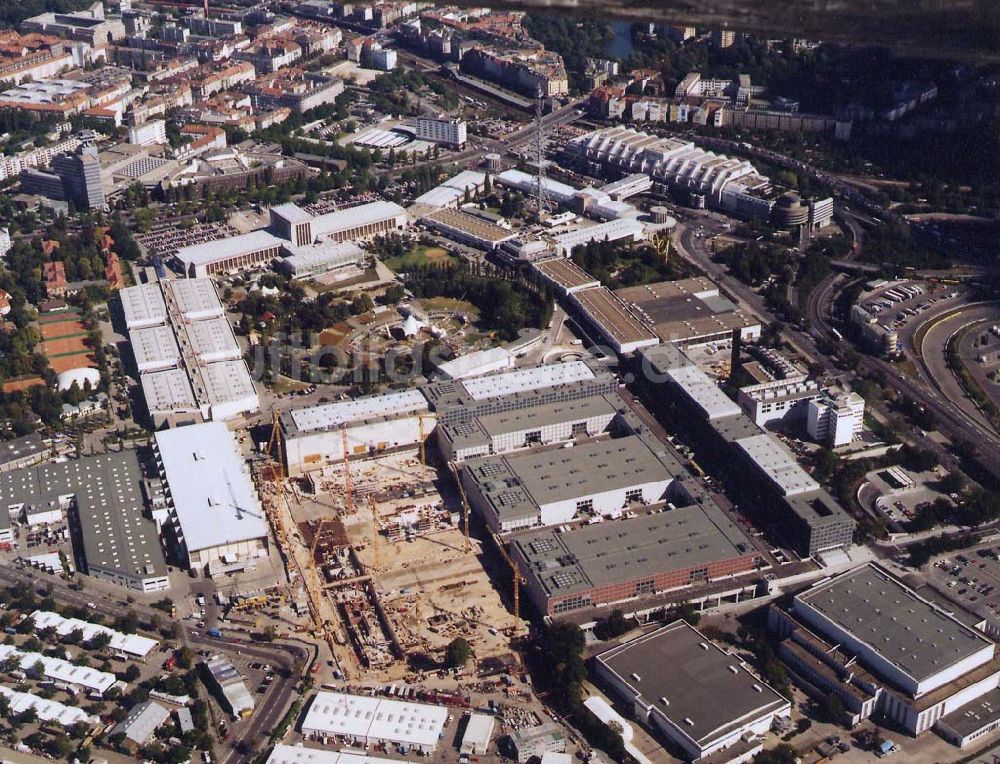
x,y
534,742
148,133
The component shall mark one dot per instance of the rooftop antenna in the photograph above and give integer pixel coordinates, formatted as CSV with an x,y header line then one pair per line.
x,y
539,151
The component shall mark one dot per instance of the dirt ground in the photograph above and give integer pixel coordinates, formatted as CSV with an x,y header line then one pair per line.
x,y
431,588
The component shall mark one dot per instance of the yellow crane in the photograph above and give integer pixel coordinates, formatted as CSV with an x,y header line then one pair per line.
x,y
516,575
276,446
348,493
465,504
376,528
661,243
423,444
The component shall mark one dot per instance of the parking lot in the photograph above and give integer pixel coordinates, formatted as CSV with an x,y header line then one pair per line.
x,y
971,578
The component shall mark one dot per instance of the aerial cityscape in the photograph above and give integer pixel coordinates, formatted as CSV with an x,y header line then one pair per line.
x,y
540,383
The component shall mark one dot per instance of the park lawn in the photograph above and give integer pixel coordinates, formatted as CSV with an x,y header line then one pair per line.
x,y
422,255
434,304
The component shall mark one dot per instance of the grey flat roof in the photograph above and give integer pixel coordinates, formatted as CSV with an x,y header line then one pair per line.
x,y
773,459
897,623
708,692
478,431
115,533
21,448
975,715
604,553
735,427
518,484
818,508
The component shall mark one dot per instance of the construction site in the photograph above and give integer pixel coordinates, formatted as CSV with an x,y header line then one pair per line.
x,y
378,547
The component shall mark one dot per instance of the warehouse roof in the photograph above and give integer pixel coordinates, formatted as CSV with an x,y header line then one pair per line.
x,y
324,253
195,298
704,691
479,430
133,644
517,484
614,551
154,345
232,684
143,305
566,275
115,533
166,391
226,382
478,731
142,721
528,378
59,670
613,229
299,754
618,322
223,249
211,339
704,392
470,225
21,448
353,217
331,415
777,463
452,190
905,629
47,710
374,718
211,492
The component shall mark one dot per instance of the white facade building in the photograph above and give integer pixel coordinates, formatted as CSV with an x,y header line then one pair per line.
x,y
216,512
777,400
449,132
366,720
836,420
148,133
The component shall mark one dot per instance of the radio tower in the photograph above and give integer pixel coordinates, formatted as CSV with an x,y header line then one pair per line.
x,y
539,153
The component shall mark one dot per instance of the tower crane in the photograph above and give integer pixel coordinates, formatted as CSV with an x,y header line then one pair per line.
x,y
376,528
348,493
465,504
515,574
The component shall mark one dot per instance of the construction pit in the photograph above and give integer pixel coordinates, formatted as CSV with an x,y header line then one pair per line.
x,y
393,562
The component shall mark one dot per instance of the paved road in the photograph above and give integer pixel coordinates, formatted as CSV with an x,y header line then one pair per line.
x,y
270,708
933,358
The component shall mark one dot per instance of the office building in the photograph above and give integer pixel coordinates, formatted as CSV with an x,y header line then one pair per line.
x,y
364,720
102,494
448,132
882,648
215,512
536,742
81,176
702,698
779,400
575,569
89,25
836,419
813,522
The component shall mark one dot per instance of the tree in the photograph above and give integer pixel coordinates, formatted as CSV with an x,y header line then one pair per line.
x,y
613,626
132,673
185,657
458,653
780,754
833,708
